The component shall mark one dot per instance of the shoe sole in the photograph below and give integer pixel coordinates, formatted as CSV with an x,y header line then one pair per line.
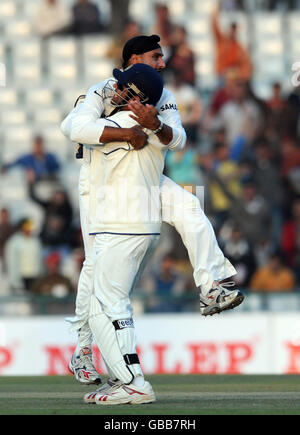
x,y
137,401
217,310
90,398
89,401
235,303
211,311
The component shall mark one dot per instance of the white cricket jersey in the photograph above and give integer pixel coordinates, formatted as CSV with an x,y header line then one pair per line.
x,y
84,123
124,184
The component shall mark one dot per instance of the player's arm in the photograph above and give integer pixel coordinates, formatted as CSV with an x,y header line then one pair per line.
x,y
170,115
167,126
84,125
134,135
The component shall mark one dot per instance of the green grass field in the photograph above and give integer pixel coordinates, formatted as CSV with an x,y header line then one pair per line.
x,y
176,395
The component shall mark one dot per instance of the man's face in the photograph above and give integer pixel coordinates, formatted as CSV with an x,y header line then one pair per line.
x,y
238,90
152,58
120,96
38,147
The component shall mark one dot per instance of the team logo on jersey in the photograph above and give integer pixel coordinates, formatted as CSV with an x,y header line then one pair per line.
x,y
168,107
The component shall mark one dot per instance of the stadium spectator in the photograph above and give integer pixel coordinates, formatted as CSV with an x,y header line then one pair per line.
x,y
293,100
249,210
241,116
52,282
182,57
290,240
163,26
239,252
182,167
222,94
119,16
254,213
56,231
220,165
289,164
289,155
266,176
279,111
164,286
189,105
53,18
86,18
229,52
23,253
114,51
275,276
6,231
42,164
263,251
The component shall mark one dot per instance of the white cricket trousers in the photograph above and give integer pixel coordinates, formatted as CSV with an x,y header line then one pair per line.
x,y
180,209
183,210
119,262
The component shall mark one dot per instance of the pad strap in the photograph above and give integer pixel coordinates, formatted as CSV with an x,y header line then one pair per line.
x,y
131,358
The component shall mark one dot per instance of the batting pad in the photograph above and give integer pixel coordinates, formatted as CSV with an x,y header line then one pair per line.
x,y
127,341
106,339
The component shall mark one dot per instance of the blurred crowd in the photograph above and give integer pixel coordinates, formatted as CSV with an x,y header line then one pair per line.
x,y
244,150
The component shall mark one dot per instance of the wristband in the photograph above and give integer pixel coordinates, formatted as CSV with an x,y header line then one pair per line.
x,y
159,129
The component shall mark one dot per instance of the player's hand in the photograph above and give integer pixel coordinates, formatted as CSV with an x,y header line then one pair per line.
x,y
146,115
138,138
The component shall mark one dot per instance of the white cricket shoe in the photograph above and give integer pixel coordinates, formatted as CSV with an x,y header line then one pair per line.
x,y
219,299
83,368
126,394
90,397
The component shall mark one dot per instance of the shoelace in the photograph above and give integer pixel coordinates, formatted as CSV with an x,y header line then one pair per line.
x,y
224,286
100,389
87,361
110,388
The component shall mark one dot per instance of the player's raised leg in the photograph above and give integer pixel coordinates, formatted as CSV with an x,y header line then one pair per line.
x,y
182,210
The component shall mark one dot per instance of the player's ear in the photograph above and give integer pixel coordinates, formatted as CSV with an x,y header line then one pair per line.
x,y
135,58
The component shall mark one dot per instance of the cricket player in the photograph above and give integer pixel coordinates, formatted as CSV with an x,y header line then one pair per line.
x,y
125,218
86,124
